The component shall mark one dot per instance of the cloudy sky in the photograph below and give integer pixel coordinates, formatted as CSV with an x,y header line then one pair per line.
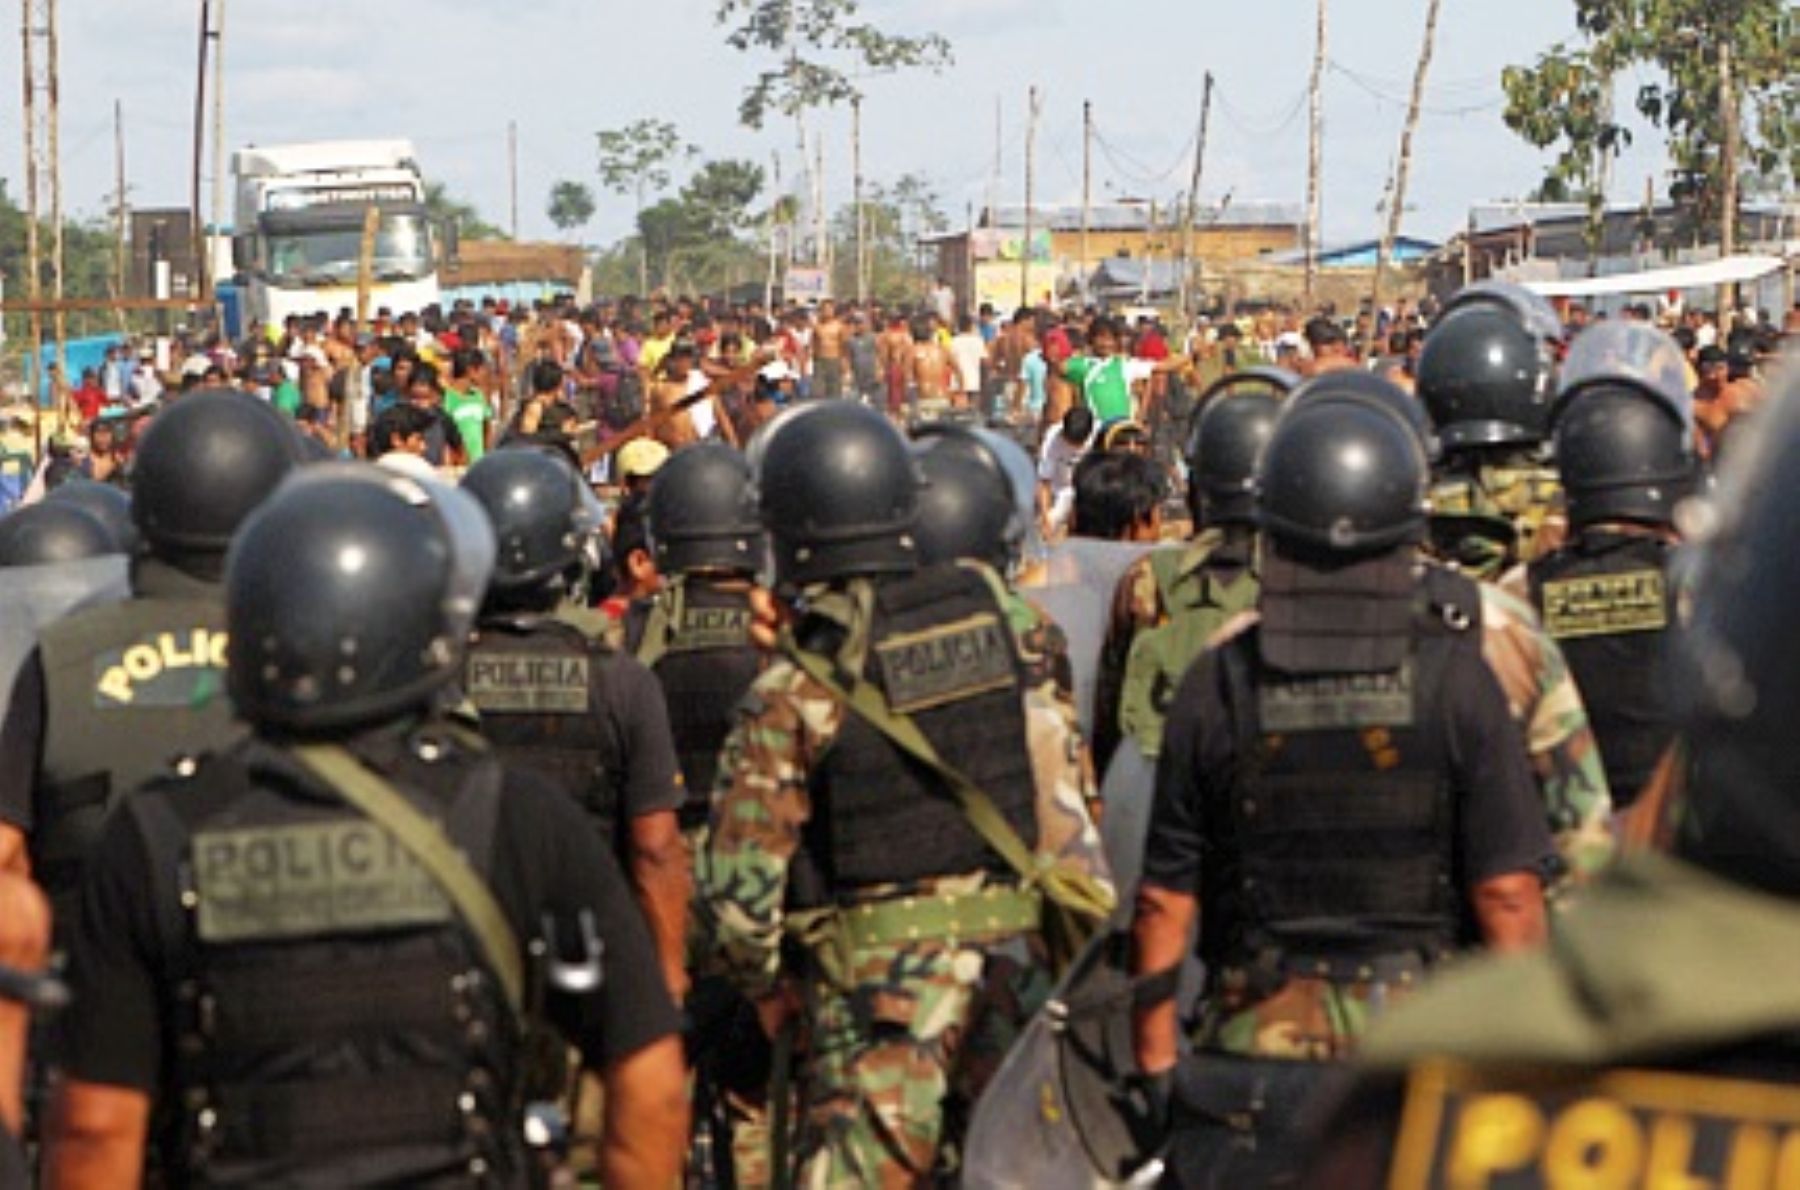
x,y
450,74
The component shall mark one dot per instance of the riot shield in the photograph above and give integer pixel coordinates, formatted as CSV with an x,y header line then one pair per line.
x,y
1077,587
34,597
1061,1114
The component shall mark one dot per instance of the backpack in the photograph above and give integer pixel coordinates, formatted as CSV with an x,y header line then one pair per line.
x,y
1197,603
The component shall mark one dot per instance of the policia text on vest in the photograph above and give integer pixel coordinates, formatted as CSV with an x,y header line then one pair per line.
x,y
164,669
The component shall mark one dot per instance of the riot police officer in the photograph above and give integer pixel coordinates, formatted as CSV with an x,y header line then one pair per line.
x,y
1665,1012
1487,374
694,634
1171,601
106,503
881,798
46,534
113,692
1625,447
306,954
1341,788
555,700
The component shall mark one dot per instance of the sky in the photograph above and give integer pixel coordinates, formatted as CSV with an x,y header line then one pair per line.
x,y
451,74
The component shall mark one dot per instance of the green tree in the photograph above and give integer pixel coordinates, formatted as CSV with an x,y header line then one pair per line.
x,y
1716,79
720,195
636,160
820,48
441,208
571,205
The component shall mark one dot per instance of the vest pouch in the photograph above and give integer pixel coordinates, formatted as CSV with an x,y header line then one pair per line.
x,y
1238,1121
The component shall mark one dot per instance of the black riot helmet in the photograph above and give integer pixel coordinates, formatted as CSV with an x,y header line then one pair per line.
x,y
1236,419
1741,688
204,465
965,508
703,513
1624,426
1003,457
838,491
1367,385
542,515
105,503
349,597
1342,474
44,534
1488,369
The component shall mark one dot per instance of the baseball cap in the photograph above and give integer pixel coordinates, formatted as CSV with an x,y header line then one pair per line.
x,y
642,459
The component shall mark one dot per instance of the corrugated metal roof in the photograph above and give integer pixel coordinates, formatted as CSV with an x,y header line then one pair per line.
x,y
1405,248
1501,216
1105,217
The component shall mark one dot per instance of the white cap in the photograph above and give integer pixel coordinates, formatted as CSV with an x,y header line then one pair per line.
x,y
776,372
407,464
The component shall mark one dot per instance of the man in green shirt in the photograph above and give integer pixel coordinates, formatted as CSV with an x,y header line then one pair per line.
x,y
1105,377
465,400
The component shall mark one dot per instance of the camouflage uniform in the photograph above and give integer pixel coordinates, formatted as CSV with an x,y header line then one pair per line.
x,y
900,1038
1542,694
1477,505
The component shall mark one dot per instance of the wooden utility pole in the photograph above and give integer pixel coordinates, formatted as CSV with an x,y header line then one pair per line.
x,y
59,387
775,208
821,218
120,215
218,144
993,198
1315,139
1193,203
1728,166
1031,120
34,272
1402,168
856,184
198,263
512,172
1087,188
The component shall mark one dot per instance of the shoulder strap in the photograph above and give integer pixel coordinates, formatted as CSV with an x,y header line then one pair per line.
x,y
1072,890
427,843
660,624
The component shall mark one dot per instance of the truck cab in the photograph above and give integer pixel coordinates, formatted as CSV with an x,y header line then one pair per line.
x,y
299,226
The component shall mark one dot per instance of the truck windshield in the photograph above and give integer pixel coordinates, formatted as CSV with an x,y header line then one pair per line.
x,y
328,255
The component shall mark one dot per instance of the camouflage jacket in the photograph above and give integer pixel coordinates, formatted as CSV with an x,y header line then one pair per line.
x,y
1489,516
1541,692
762,800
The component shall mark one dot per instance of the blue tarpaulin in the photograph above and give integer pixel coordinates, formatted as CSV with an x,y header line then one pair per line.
x,y
82,354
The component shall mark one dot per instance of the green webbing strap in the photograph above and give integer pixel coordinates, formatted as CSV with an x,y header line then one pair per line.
x,y
427,843
659,625
1074,891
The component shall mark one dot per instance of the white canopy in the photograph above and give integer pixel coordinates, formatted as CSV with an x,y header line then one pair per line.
x,y
1731,270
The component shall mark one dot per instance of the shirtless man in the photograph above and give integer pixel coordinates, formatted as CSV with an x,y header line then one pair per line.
x,y
931,372
894,349
676,380
828,352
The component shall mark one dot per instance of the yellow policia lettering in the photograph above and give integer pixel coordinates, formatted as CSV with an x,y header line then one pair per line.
x,y
150,659
1619,1130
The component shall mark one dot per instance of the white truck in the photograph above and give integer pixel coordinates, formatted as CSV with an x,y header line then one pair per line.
x,y
298,232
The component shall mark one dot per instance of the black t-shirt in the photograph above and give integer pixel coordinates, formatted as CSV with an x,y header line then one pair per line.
x,y
546,860
1499,812
649,776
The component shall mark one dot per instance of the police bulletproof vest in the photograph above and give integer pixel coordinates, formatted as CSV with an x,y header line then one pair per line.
x,y
696,639
128,688
335,1023
538,686
1198,601
1607,601
1340,825
941,652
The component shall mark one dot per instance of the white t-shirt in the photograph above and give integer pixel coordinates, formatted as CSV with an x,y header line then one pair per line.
x,y
970,353
1056,469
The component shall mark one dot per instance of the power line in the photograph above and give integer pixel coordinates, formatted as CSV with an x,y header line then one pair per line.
x,y
1363,83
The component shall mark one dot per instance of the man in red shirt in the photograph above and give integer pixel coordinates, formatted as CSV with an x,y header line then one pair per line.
x,y
89,397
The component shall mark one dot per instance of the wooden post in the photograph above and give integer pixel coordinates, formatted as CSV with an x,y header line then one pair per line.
x,y
59,386
365,283
1193,204
1087,189
1728,166
195,225
34,281
862,280
1397,199
512,172
218,155
1030,197
1315,156
120,216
